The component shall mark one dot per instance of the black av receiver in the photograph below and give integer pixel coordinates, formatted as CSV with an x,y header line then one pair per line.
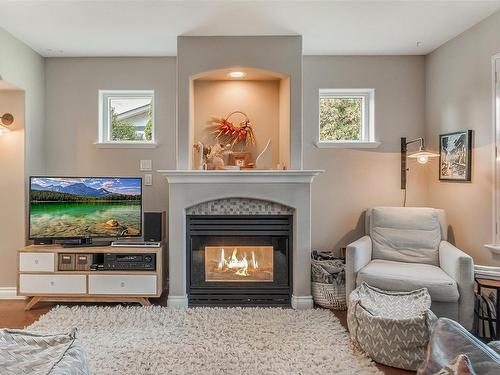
x,y
131,262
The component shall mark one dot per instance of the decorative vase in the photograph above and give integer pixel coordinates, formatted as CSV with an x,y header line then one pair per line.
x,y
265,158
217,162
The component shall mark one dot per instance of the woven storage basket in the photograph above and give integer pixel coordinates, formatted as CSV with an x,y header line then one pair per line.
x,y
331,294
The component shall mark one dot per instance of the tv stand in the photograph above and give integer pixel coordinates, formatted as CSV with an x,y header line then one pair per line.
x,y
41,276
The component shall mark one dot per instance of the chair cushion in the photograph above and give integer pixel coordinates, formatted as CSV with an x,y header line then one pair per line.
x,y
405,277
406,234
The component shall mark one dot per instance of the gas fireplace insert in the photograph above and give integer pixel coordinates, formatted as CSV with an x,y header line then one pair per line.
x,y
239,260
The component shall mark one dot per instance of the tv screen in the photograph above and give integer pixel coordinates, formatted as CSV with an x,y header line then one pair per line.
x,y
98,207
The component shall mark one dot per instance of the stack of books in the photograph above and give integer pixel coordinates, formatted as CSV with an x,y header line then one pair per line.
x,y
487,272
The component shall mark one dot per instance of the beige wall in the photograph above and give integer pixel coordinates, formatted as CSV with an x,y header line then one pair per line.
x,y
11,186
72,119
258,99
357,179
24,68
459,96
21,151
354,179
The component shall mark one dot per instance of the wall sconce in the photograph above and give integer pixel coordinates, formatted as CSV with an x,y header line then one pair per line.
x,y
6,120
422,157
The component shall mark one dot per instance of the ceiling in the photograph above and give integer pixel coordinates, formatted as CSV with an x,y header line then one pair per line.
x,y
150,27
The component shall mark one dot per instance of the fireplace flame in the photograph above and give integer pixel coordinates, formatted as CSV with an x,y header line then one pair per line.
x,y
237,264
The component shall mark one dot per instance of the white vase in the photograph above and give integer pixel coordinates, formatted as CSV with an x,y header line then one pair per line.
x,y
265,158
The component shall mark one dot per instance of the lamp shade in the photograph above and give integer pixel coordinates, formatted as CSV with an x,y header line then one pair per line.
x,y
5,121
423,156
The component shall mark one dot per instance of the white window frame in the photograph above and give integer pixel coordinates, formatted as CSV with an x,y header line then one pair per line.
x,y
104,130
368,118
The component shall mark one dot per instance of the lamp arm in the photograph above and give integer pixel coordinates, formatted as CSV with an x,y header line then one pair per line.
x,y
421,140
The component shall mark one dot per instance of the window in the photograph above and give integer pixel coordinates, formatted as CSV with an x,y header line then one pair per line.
x,y
126,118
346,118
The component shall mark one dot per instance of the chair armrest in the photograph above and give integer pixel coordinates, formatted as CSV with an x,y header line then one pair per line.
x,y
358,255
460,267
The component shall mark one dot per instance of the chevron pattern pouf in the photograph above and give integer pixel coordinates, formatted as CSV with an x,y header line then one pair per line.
x,y
392,328
23,352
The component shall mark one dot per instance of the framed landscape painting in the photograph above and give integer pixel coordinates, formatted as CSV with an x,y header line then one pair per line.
x,y
455,156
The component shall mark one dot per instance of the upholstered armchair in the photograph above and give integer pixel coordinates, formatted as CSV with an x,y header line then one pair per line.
x,y
406,248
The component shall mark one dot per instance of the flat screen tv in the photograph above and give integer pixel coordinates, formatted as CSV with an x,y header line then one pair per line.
x,y
62,208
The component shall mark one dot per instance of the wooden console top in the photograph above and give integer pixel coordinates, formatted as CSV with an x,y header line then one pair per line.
x,y
88,250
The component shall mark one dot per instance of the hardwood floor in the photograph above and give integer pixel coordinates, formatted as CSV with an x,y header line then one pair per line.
x,y
12,315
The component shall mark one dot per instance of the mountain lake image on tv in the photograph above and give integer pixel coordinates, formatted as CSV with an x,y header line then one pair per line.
x,y
64,207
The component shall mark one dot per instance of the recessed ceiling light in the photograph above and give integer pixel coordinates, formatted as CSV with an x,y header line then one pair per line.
x,y
237,74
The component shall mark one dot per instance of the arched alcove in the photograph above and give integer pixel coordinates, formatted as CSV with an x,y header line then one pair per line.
x,y
261,96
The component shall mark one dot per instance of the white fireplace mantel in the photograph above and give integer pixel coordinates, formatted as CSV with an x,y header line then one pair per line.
x,y
291,188
242,177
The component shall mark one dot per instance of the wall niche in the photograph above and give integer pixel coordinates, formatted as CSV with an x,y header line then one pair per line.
x,y
263,96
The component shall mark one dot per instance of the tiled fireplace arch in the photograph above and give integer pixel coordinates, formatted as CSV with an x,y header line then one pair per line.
x,y
239,206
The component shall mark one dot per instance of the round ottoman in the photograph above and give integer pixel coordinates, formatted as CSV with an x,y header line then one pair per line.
x,y
392,328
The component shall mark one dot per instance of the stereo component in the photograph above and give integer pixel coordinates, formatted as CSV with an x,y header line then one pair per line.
x,y
66,262
129,261
83,262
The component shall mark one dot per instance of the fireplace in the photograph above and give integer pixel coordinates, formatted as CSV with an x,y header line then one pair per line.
x,y
239,263
239,260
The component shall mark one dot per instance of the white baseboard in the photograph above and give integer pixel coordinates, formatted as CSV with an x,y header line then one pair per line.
x,y
302,302
177,301
9,293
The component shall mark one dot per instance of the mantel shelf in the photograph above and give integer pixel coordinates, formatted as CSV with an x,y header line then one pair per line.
x,y
240,177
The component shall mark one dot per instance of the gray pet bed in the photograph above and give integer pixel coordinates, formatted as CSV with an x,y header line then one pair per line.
x,y
23,352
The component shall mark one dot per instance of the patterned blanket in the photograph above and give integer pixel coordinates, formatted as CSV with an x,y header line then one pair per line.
x,y
23,352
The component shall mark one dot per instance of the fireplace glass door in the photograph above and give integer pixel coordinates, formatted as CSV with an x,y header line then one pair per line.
x,y
239,263
241,260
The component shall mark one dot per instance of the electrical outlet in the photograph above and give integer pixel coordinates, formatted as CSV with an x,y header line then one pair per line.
x,y
148,179
146,165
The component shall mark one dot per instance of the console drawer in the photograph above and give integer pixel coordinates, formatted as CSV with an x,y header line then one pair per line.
x,y
36,262
122,284
52,284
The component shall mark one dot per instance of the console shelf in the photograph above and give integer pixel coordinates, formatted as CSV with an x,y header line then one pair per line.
x,y
40,279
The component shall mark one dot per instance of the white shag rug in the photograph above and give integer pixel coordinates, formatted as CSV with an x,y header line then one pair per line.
x,y
160,340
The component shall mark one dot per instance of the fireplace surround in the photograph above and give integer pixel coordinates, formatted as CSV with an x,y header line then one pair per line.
x,y
239,259
198,56
238,193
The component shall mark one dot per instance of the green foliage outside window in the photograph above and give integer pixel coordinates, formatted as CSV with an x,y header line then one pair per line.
x,y
122,130
148,131
340,119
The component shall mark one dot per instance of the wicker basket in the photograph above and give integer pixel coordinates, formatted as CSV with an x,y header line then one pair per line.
x,y
330,296
328,284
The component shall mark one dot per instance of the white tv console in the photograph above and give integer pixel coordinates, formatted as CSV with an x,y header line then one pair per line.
x,y
40,279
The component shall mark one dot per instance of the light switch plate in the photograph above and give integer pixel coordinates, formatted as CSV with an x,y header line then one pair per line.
x,y
146,165
148,179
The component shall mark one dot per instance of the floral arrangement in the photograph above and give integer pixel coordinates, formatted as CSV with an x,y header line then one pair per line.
x,y
229,133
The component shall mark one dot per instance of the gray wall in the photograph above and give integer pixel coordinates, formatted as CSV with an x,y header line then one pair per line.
x,y
72,119
357,179
21,150
459,96
354,179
